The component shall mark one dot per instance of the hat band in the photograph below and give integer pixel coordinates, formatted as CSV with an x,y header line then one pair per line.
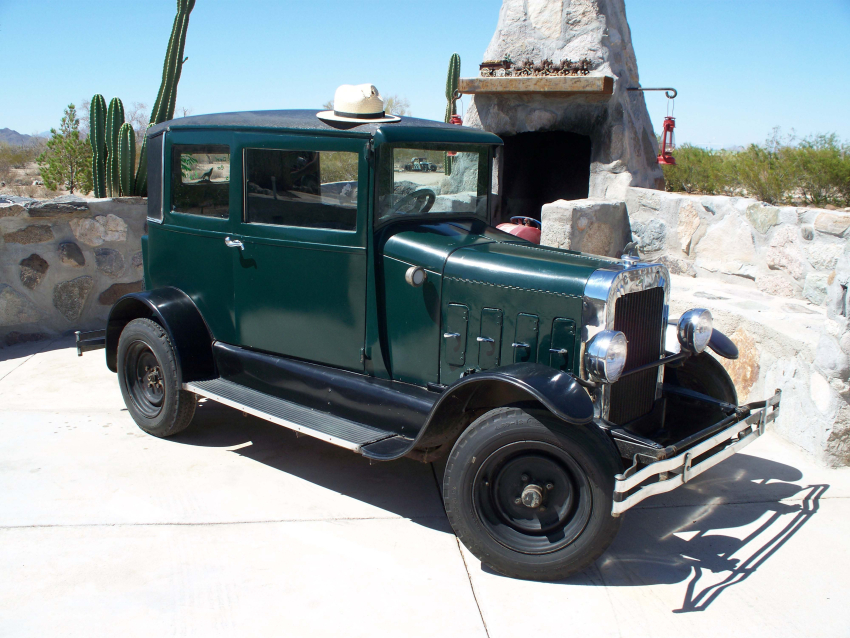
x,y
360,116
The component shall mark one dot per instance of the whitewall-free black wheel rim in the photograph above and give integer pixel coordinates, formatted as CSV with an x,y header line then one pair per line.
x,y
144,379
532,497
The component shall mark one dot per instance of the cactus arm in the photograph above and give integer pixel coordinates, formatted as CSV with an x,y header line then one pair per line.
x,y
97,137
126,157
451,107
114,120
163,108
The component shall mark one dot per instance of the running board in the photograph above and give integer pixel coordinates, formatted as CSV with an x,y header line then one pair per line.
x,y
342,432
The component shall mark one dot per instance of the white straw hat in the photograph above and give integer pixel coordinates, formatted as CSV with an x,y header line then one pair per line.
x,y
361,104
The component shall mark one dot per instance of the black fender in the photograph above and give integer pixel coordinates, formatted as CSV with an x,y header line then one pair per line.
x,y
469,397
704,374
723,345
175,311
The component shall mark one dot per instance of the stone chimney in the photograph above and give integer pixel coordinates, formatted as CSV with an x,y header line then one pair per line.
x,y
565,137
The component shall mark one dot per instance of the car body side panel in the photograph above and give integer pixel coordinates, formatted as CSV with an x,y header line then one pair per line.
x,y
188,252
199,264
410,317
301,291
479,295
412,323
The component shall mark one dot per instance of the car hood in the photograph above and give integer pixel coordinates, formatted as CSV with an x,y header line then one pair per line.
x,y
474,251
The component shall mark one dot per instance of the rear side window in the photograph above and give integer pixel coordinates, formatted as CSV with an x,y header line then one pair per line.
x,y
200,179
312,189
155,177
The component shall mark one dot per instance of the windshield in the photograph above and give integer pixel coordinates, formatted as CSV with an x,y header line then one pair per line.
x,y
432,179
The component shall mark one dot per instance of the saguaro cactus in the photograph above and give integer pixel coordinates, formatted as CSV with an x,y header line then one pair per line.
x,y
97,139
114,120
126,157
451,107
163,108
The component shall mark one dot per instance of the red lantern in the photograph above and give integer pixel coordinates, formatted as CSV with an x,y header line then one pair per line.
x,y
665,157
455,119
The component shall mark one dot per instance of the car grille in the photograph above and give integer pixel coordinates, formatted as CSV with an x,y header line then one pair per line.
x,y
639,315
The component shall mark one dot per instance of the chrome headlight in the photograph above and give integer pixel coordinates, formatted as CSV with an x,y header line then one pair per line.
x,y
694,329
605,356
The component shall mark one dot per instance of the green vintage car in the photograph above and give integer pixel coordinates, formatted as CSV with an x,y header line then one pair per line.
x,y
294,273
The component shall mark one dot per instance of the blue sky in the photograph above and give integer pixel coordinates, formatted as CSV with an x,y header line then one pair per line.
x,y
741,67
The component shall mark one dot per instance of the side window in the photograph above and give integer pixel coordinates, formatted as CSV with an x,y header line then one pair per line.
x,y
313,189
200,179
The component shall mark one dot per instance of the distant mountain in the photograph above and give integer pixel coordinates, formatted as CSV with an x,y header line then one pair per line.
x,y
9,136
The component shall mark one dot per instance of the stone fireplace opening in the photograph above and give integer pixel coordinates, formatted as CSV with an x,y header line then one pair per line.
x,y
542,167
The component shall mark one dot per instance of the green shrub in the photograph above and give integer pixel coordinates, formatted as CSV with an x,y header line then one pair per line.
x,y
814,171
822,170
697,170
12,156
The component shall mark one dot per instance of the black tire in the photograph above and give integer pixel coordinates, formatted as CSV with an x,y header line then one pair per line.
x,y
486,471
150,380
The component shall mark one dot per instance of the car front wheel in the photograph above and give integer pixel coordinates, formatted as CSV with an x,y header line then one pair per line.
x,y
150,381
530,496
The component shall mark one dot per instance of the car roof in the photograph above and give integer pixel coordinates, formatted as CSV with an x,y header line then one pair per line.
x,y
302,121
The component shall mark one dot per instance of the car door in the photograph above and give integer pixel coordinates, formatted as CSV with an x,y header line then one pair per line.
x,y
187,248
300,279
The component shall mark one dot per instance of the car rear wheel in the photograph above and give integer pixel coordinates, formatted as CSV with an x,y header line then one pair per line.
x,y
530,496
150,381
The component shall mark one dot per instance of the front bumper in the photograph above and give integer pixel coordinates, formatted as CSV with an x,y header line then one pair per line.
x,y
634,485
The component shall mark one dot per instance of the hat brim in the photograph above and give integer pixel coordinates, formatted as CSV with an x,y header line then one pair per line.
x,y
333,117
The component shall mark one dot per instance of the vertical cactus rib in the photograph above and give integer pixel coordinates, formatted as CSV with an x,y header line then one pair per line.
x,y
126,157
451,107
97,140
163,108
114,120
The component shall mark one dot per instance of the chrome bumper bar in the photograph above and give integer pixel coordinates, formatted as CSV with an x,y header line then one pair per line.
x,y
680,469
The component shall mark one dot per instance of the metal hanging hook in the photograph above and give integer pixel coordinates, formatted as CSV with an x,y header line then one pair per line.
x,y
667,90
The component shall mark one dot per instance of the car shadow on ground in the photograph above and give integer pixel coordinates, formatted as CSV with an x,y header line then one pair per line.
x,y
715,532
405,487
30,348
711,534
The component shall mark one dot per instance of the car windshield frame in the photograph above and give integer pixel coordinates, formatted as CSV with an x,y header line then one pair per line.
x,y
385,176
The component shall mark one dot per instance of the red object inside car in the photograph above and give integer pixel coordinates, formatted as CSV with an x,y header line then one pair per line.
x,y
529,233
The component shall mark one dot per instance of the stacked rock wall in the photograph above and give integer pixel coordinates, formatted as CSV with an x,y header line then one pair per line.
x,y
781,250
64,262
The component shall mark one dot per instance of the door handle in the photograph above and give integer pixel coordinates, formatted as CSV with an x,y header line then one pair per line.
x,y
234,243
561,351
451,335
484,340
520,345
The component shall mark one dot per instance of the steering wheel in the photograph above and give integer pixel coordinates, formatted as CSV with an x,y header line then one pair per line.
x,y
527,219
425,197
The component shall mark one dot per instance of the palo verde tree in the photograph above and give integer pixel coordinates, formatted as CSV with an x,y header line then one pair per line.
x,y
67,160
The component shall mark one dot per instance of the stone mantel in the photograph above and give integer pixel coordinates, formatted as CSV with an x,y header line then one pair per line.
x,y
587,85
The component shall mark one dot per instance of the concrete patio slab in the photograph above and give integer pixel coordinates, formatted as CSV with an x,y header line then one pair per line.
x,y
238,527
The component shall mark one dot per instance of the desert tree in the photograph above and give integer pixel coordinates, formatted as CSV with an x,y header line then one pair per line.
x,y
397,105
393,104
137,116
67,159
